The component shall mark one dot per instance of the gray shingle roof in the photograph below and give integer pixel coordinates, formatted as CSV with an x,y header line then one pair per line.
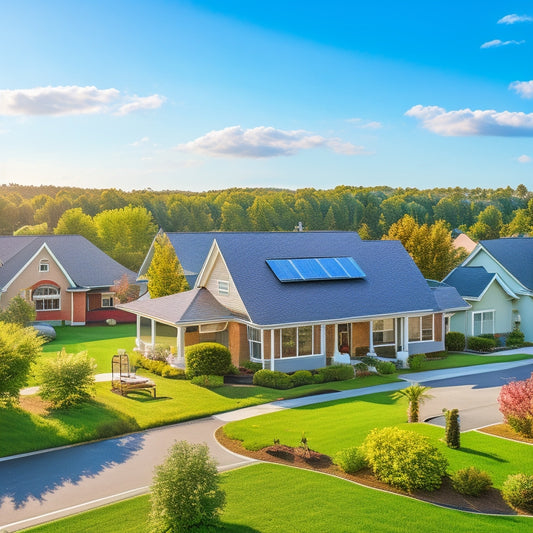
x,y
470,282
86,264
449,299
516,255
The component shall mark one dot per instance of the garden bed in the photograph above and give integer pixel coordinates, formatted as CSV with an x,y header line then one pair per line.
x,y
489,503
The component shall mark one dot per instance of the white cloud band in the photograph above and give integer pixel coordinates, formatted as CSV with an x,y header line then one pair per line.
x,y
514,18
467,122
262,142
497,43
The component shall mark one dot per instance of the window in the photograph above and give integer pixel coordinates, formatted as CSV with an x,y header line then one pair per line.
x,y
107,300
47,298
421,328
383,331
44,266
223,287
482,322
343,337
297,341
254,342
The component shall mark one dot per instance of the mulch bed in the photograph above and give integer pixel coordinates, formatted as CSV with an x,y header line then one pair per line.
x,y
489,503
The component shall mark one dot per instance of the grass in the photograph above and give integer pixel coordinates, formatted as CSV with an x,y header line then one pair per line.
x,y
355,418
270,498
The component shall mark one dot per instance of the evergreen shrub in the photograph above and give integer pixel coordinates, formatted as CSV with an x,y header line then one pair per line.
x,y
351,460
415,361
480,344
207,358
517,491
471,481
455,341
385,367
302,377
272,379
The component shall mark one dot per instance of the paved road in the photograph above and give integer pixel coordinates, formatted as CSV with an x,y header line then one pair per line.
x,y
40,487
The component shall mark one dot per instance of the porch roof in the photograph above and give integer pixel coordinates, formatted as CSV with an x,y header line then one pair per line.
x,y
191,307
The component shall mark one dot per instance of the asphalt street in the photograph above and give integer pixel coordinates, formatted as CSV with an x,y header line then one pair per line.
x,y
40,487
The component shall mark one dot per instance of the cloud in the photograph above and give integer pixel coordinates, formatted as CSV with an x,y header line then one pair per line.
x,y
467,122
71,100
144,140
523,88
373,125
264,142
497,43
512,19
524,159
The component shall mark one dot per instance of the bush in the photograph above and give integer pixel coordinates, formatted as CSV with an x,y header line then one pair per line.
x,y
517,491
250,365
272,379
20,312
361,369
67,380
185,490
385,367
351,460
453,432
414,362
369,360
480,344
207,358
516,405
404,459
455,341
515,338
471,481
335,373
443,354
173,373
302,377
209,382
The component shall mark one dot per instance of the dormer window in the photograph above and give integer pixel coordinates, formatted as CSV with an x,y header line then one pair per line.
x,y
223,287
43,265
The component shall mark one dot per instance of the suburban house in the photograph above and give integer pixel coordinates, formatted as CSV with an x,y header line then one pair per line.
x,y
497,280
290,300
67,277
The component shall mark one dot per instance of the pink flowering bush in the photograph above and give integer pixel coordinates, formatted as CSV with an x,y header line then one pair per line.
x,y
516,405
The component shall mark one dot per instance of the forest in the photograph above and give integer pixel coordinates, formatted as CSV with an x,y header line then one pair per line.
x,y
123,223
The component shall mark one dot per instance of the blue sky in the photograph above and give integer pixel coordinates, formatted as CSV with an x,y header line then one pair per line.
x,y
199,95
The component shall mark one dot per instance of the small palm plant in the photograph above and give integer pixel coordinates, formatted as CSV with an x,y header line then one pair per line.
x,y
416,394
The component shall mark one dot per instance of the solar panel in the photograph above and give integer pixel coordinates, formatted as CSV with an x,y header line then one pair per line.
x,y
315,269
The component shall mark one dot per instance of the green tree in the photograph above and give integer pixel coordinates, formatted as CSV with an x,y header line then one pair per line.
x,y
38,229
165,273
488,225
186,493
76,222
67,380
19,348
416,394
18,311
233,217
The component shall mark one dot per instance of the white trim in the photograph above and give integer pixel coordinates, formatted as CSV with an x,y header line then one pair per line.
x,y
480,312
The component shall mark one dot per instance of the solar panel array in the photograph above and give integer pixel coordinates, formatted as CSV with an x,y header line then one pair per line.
x,y
315,269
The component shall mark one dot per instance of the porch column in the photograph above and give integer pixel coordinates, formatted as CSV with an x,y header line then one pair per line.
x,y
272,337
153,332
138,339
336,345
323,339
180,341
371,351
405,343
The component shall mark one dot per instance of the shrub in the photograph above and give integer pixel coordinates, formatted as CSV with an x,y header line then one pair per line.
x,y
516,405
250,365
443,354
67,380
19,348
209,382
302,377
385,367
517,491
361,368
351,460
272,379
453,432
455,341
207,358
20,312
232,371
471,481
185,490
369,360
480,344
414,362
404,459
515,338
172,373
335,373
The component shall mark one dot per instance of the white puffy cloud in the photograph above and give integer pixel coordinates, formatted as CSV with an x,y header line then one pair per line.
x,y
467,122
514,18
523,88
524,159
71,100
263,141
496,43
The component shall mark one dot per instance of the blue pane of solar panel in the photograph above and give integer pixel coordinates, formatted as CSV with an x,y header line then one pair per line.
x,y
333,268
284,270
351,267
310,269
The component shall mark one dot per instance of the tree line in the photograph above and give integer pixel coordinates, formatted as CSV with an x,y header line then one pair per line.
x,y
123,223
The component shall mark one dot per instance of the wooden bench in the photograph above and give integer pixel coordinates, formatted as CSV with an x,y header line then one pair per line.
x,y
132,383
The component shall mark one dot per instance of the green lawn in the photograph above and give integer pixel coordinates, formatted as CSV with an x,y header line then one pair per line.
x,y
355,418
268,498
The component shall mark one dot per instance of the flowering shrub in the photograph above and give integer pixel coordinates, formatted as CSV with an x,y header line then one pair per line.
x,y
516,405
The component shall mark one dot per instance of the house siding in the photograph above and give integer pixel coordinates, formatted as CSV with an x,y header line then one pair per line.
x,y
238,343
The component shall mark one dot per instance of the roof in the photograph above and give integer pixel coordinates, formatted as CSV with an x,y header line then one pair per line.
x,y
515,254
393,283
464,241
470,281
194,306
448,299
85,263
